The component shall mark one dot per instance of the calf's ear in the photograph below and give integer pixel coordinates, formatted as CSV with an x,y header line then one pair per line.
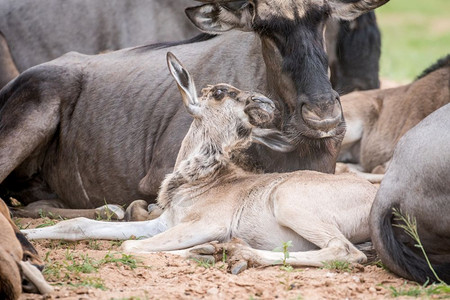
x,y
185,84
273,139
217,18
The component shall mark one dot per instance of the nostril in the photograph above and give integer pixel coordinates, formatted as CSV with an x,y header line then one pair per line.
x,y
324,117
263,100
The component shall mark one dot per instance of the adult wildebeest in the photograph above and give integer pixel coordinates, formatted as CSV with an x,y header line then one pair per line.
x,y
18,261
417,184
209,198
82,130
39,31
377,119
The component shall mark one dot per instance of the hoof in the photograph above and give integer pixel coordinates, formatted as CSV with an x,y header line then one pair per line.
x,y
239,267
110,212
154,211
203,249
137,211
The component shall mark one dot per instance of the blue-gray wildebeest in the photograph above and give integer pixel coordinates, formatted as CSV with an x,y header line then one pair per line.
x,y
82,130
377,119
209,198
39,31
19,261
417,184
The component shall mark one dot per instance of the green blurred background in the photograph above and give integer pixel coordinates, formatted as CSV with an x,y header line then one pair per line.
x,y
415,33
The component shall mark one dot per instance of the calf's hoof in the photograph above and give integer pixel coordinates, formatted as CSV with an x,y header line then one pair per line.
x,y
137,211
154,211
110,212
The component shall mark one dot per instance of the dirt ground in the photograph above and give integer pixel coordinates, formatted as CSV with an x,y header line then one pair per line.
x,y
98,270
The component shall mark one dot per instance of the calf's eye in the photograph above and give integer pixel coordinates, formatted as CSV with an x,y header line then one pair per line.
x,y
218,94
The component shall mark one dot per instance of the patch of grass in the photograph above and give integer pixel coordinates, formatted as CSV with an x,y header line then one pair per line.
x,y
17,222
379,264
74,267
125,259
94,282
116,243
338,265
415,33
204,264
93,245
48,222
437,291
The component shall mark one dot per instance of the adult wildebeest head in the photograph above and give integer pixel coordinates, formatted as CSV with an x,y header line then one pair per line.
x,y
293,30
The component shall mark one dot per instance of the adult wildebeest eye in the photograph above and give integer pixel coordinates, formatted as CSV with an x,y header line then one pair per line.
x,y
235,5
219,94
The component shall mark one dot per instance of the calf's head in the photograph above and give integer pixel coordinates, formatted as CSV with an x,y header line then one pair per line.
x,y
226,119
291,32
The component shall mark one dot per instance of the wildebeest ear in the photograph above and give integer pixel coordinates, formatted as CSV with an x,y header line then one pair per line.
x,y
351,9
216,18
273,139
185,83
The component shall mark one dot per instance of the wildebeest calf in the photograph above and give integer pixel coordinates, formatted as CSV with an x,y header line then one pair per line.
x,y
377,119
209,198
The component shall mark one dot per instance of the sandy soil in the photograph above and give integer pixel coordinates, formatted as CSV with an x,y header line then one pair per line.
x,y
98,270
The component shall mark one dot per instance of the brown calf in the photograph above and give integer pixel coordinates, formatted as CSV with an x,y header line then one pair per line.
x,y
377,119
18,261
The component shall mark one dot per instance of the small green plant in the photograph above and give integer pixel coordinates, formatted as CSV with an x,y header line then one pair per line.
x,y
410,227
95,282
204,263
125,259
115,244
285,249
415,291
94,245
338,265
438,291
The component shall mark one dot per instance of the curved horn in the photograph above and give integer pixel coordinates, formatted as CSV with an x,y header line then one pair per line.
x,y
351,9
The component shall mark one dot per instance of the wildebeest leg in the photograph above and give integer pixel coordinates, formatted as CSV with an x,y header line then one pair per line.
x,y
240,255
55,209
28,119
357,169
140,210
83,228
8,69
181,236
325,235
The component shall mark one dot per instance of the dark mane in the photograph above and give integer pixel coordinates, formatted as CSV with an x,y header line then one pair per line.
x,y
196,39
441,63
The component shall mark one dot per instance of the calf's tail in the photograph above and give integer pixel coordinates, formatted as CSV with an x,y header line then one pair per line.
x,y
397,256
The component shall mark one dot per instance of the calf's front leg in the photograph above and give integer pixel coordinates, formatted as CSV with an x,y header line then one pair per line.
x,y
83,228
181,236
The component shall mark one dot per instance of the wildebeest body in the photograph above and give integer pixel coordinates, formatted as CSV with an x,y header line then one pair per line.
x,y
106,133
416,184
39,31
